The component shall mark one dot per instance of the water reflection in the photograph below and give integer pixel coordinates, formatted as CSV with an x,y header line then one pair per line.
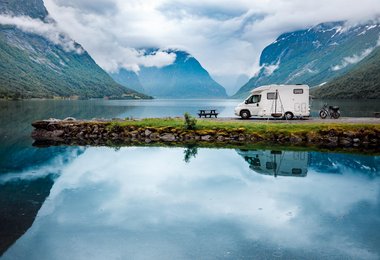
x,y
149,203
277,163
127,203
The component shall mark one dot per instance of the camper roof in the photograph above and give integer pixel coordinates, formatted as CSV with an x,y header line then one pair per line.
x,y
267,87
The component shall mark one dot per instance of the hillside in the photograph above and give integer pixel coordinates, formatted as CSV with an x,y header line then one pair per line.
x,y
34,66
314,56
128,78
362,82
185,78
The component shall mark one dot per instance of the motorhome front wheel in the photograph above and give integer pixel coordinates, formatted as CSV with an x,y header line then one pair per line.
x,y
245,114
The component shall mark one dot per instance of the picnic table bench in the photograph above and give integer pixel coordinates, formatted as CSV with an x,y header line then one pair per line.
x,y
208,113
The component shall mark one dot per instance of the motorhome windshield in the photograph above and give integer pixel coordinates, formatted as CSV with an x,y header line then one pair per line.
x,y
254,99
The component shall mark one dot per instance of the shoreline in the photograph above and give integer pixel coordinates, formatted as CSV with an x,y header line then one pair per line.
x,y
218,133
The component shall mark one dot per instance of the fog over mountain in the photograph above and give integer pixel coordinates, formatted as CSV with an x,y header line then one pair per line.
x,y
226,39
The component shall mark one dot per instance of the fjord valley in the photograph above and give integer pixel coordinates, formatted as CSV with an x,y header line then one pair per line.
x,y
184,78
104,154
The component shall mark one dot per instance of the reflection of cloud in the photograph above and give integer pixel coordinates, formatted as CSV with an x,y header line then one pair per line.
x,y
52,167
49,31
146,202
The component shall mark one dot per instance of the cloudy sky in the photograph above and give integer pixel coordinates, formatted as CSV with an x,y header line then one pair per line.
x,y
226,37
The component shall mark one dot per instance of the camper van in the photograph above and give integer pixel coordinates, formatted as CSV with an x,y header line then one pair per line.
x,y
276,101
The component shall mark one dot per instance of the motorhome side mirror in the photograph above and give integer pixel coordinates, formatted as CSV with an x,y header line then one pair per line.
x,y
257,104
246,102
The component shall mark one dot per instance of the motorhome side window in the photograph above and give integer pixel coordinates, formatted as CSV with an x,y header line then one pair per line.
x,y
271,95
254,99
298,91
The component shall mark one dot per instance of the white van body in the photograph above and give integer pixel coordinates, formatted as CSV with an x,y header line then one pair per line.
x,y
291,101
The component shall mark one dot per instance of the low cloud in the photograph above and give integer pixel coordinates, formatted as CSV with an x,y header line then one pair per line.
x,y
227,40
50,31
355,58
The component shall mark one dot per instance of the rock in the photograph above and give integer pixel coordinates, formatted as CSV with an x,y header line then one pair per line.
x,y
57,133
154,137
53,120
51,126
346,141
40,124
147,132
167,137
241,137
69,119
356,140
332,140
206,137
295,139
220,138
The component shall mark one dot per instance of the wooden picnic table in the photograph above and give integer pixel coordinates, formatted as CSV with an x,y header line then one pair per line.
x,y
208,113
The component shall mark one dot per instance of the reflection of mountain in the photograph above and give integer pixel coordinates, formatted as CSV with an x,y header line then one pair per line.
x,y
20,202
23,193
277,163
341,163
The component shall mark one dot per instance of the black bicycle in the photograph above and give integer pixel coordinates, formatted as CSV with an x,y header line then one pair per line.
x,y
332,111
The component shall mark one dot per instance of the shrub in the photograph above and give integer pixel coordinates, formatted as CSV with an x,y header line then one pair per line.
x,y
190,122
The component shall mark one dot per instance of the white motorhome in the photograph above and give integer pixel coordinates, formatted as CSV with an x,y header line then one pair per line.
x,y
286,101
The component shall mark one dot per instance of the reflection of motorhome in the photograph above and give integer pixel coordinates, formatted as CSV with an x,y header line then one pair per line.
x,y
277,163
285,101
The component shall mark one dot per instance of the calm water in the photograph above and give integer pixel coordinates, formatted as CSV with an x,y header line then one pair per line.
x,y
178,203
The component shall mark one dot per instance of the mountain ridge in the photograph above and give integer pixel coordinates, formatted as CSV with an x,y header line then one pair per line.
x,y
315,55
184,78
362,82
34,66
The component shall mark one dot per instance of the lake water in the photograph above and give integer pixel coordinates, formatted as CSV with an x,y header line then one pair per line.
x,y
178,203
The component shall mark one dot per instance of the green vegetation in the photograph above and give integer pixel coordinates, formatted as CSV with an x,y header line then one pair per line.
x,y
33,67
190,122
248,127
363,82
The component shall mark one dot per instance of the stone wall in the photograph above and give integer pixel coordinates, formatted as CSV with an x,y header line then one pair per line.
x,y
105,132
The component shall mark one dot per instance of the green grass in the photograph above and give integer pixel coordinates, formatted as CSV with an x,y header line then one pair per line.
x,y
249,126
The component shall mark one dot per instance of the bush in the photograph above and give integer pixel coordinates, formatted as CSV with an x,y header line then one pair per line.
x,y
190,122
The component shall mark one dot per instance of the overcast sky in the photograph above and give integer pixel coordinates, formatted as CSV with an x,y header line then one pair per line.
x,y
226,36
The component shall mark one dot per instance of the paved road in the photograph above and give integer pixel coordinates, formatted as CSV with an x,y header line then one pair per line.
x,y
348,120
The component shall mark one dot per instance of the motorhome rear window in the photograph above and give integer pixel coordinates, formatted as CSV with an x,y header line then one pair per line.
x,y
298,91
271,95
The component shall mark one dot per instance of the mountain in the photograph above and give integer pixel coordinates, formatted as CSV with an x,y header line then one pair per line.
x,y
185,78
314,56
38,61
128,78
362,82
